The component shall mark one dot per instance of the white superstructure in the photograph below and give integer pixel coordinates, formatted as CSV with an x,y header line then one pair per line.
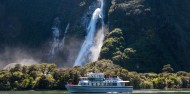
x,y
98,82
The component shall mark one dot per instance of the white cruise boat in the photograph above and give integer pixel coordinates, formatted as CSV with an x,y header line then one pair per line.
x,y
99,83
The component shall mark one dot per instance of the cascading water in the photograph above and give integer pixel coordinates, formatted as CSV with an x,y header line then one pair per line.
x,y
63,40
91,47
56,35
99,37
67,28
58,43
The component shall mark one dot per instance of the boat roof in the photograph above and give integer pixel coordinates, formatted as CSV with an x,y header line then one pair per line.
x,y
97,73
83,77
124,81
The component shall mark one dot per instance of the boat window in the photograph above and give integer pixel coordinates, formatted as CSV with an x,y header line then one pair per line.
x,y
104,84
122,84
98,84
84,83
111,84
114,84
101,84
94,84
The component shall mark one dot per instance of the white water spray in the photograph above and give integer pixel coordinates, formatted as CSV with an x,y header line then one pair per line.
x,y
55,43
99,37
63,40
91,47
58,43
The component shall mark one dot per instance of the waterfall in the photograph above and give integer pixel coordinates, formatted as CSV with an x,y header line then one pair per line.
x,y
67,28
63,40
91,47
99,37
57,43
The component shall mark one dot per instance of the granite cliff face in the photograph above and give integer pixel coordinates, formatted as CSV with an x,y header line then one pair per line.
x,y
158,31
29,22
152,33
26,28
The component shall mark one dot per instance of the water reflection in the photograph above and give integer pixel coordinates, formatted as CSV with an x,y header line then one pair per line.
x,y
102,93
66,92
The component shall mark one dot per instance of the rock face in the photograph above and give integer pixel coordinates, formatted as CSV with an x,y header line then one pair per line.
x,y
157,30
27,25
29,22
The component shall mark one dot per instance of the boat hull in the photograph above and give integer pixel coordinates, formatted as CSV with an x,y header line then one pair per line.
x,y
98,89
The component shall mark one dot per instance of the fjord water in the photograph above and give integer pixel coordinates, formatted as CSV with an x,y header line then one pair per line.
x,y
65,92
93,42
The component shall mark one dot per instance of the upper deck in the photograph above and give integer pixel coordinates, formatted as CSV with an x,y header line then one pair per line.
x,y
99,79
95,75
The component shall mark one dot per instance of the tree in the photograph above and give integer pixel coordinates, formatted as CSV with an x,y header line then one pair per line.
x,y
159,83
113,43
18,67
167,68
46,82
146,85
24,84
33,68
4,80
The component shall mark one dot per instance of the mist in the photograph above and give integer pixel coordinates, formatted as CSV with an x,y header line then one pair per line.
x,y
11,56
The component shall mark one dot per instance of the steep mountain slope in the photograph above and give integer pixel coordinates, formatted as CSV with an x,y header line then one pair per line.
x,y
29,22
144,34
157,30
27,25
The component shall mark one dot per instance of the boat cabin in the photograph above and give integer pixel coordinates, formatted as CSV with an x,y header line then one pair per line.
x,y
99,79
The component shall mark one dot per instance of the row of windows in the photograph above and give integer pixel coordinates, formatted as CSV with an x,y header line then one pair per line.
x,y
104,84
84,83
100,84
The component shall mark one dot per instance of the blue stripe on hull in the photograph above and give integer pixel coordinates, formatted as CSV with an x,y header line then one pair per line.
x,y
98,89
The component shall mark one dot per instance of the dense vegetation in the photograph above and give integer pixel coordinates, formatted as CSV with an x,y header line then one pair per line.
x,y
143,35
158,32
47,77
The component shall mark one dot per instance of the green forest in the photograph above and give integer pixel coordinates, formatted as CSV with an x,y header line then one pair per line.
x,y
143,35
48,77
146,42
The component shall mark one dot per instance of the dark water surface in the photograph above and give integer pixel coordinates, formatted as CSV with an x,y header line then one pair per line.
x,y
66,92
